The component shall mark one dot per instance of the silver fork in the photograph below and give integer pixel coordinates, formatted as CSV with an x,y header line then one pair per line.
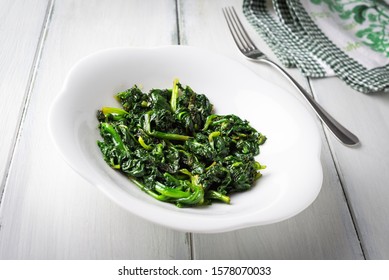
x,y
248,48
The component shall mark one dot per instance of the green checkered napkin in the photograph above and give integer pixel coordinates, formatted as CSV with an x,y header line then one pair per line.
x,y
349,39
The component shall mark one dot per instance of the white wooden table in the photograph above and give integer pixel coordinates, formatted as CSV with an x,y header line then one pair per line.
x,y
47,211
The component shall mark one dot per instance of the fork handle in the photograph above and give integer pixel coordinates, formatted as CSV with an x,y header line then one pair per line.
x,y
339,131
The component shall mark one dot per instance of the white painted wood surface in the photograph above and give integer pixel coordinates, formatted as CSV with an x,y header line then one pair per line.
x,y
363,170
47,211
21,23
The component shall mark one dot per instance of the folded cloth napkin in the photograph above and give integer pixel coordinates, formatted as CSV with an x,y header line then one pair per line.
x,y
346,38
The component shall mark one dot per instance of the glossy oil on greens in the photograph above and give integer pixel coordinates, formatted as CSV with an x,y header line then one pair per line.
x,y
172,146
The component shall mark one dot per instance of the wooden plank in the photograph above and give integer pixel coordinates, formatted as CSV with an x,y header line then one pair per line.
x,y
364,169
21,24
49,211
325,230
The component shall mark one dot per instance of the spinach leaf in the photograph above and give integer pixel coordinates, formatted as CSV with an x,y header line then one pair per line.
x,y
172,146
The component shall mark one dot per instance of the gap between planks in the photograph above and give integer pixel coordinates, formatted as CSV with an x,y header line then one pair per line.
x,y
189,235
336,166
27,95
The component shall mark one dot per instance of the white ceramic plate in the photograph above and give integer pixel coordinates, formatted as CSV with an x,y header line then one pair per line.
x,y
293,176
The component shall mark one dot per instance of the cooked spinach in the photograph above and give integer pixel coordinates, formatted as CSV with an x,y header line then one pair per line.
x,y
171,145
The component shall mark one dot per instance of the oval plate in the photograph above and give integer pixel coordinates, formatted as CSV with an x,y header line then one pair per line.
x,y
290,183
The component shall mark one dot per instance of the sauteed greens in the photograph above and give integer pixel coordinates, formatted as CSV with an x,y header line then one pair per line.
x,y
173,147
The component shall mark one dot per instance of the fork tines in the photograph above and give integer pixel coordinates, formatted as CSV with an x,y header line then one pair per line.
x,y
238,32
